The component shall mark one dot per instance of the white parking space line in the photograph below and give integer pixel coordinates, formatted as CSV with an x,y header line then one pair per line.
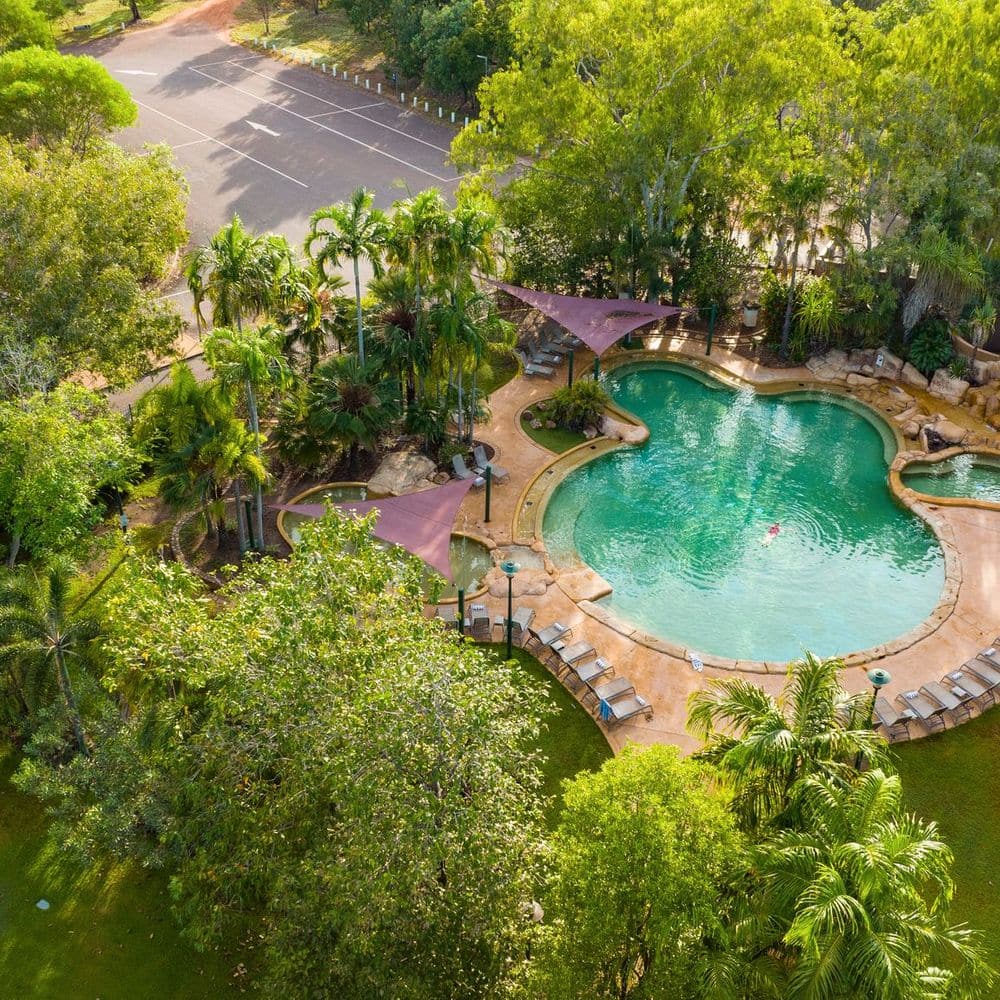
x,y
342,111
326,128
219,142
224,62
350,111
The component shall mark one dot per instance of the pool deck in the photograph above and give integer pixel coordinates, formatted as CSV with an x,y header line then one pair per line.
x,y
965,624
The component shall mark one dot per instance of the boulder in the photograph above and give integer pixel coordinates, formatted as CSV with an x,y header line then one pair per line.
x,y
536,425
911,376
994,421
828,367
910,429
400,472
550,425
618,430
857,380
945,386
590,433
860,362
991,406
891,366
527,583
440,478
906,416
949,432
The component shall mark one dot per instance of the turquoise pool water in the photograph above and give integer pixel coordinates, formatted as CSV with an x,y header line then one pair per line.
x,y
470,560
680,527
975,476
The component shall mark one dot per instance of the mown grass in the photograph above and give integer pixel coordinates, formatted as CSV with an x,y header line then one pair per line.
x,y
105,16
952,778
570,741
555,439
327,35
107,934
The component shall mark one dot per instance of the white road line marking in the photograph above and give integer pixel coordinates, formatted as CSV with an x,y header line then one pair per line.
x,y
193,142
326,128
342,111
257,127
133,72
350,111
224,62
173,295
219,142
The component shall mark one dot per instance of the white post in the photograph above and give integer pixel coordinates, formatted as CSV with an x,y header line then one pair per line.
x,y
355,79
466,121
414,102
378,88
345,74
453,117
334,69
402,97
427,106
440,111
368,85
479,127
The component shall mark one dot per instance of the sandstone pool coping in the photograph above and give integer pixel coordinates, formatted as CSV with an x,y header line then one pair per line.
x,y
964,622
906,458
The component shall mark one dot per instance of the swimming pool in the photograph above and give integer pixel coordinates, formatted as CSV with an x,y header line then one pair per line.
x,y
749,526
471,560
966,476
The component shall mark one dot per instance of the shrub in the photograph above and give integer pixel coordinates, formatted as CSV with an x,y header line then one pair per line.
x,y
959,367
817,313
930,345
579,405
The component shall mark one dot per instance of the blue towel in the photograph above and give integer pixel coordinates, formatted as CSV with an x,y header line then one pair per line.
x,y
605,711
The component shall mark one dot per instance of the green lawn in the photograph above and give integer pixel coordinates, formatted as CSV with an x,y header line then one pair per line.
x,y
328,35
953,778
107,935
107,15
558,440
571,741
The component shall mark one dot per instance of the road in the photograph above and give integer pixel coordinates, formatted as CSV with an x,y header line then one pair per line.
x,y
263,139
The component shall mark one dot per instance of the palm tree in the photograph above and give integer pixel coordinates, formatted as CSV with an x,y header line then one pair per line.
x,y
352,404
251,359
765,745
854,902
948,272
354,230
401,345
39,633
419,241
199,442
237,273
311,311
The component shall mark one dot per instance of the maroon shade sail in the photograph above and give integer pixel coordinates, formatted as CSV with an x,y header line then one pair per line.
x,y
599,323
421,522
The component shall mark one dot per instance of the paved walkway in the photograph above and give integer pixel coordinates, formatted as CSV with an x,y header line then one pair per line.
x,y
667,680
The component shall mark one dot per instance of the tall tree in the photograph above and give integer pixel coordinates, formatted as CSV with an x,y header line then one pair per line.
x,y
642,855
354,230
249,359
40,632
238,273
22,24
765,744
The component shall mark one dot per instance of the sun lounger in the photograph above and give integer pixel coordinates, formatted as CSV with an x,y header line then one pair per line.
x,y
929,712
556,348
482,463
895,723
589,672
568,655
568,339
544,358
462,471
447,613
479,626
522,618
531,368
991,656
620,687
613,712
548,635
983,670
977,689
956,704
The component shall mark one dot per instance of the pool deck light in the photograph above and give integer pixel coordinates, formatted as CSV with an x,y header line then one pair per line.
x,y
510,568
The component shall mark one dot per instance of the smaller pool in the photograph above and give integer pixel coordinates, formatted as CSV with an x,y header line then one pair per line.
x,y
471,560
967,476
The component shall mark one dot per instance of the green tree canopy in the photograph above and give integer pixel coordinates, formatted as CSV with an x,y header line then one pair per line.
x,y
82,240
57,450
642,855
57,99
22,25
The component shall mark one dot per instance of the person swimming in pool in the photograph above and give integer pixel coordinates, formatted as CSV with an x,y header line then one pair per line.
x,y
772,534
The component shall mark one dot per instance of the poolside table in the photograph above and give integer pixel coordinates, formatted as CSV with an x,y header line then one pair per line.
x,y
923,708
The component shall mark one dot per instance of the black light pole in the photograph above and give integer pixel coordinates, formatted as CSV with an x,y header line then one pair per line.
x,y
510,568
879,678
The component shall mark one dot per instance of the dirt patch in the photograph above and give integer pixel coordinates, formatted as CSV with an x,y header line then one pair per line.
x,y
215,14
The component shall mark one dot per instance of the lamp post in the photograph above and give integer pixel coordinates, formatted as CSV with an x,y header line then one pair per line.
x,y
510,568
486,64
878,678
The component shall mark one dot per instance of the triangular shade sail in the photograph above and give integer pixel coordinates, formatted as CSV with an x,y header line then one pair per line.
x,y
599,323
421,522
